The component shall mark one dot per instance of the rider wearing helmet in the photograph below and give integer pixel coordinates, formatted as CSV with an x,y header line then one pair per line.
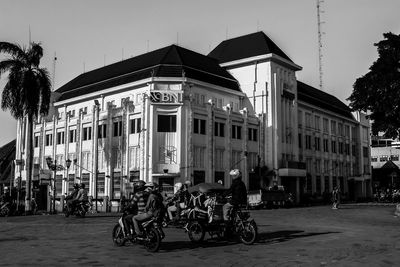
x,y
180,199
153,207
238,191
137,204
71,197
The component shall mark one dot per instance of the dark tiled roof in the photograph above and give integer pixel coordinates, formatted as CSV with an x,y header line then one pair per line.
x,y
246,46
7,155
390,165
311,95
170,61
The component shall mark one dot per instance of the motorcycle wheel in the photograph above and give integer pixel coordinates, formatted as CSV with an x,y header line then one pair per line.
x,y
196,232
153,240
5,212
118,236
248,234
66,212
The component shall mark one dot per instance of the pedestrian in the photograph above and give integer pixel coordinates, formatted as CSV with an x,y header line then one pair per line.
x,y
335,198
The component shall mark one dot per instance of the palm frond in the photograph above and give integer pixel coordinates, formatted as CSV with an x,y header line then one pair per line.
x,y
12,49
8,64
34,54
44,84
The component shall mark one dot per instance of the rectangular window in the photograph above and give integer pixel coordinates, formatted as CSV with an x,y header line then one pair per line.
x,y
199,156
318,184
252,134
219,129
317,143
72,136
326,145
326,125
86,181
134,156
347,131
365,152
308,120
236,132
166,123
86,160
300,118
340,148
347,149
102,131
135,125
353,150
36,141
199,126
333,127
49,139
340,129
333,146
60,138
117,128
300,140
100,184
394,157
87,133
219,159
383,158
58,184
116,158
374,159
317,123
317,166
308,141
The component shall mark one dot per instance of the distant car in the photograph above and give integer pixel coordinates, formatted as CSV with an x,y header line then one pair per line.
x,y
269,198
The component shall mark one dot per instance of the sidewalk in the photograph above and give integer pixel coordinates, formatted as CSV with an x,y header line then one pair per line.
x,y
369,204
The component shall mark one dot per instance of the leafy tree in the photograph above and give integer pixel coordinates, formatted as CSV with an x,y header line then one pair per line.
x,y
378,91
26,93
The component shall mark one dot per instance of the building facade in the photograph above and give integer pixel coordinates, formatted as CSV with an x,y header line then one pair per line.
x,y
173,115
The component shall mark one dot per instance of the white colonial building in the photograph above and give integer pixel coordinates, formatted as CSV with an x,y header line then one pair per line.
x,y
173,115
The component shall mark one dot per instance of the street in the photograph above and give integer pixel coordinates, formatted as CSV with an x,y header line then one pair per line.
x,y
314,236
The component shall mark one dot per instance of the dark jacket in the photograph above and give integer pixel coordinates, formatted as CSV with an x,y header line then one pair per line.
x,y
238,191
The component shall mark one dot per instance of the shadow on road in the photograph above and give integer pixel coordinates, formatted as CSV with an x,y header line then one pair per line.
x,y
263,238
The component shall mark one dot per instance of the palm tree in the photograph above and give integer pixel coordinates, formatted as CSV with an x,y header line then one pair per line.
x,y
26,93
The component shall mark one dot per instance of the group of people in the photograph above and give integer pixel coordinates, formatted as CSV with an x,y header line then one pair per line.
x,y
147,202
78,195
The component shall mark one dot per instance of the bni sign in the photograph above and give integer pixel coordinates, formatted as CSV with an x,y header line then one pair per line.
x,y
166,97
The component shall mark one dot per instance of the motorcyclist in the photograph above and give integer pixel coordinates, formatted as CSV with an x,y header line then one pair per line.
x,y
238,191
137,204
154,207
81,196
70,198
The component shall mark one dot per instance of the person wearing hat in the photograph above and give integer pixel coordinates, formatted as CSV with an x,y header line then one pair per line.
x,y
237,190
153,207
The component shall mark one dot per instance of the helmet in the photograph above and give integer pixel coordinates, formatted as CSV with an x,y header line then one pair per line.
x,y
5,188
235,173
76,186
178,186
188,183
82,185
140,183
151,186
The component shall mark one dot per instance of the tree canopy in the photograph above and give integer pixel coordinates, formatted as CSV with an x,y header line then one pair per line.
x,y
378,91
28,89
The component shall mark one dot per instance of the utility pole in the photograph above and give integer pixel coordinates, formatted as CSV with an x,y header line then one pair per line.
x,y
320,33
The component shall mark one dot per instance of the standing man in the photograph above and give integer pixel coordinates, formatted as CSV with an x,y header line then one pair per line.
x,y
335,198
238,191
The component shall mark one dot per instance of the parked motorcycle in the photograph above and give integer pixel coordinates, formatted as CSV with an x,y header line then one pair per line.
x,y
80,209
151,239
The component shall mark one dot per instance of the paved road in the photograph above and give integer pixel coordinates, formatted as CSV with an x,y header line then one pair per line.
x,y
316,236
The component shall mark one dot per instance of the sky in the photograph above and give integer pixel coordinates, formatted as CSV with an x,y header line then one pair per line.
x,y
88,34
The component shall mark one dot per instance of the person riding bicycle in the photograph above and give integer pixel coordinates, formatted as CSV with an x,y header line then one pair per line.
x,y
71,197
154,207
238,191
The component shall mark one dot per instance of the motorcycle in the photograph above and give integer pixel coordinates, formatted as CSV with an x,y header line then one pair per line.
x,y
151,239
201,221
80,209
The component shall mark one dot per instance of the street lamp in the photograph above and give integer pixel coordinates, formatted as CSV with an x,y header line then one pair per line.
x,y
54,167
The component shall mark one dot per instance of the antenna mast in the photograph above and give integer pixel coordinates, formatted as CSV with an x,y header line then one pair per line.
x,y
54,70
320,33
